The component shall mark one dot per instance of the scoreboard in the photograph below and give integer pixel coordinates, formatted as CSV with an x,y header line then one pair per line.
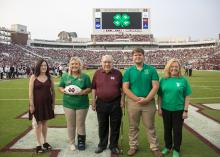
x,y
121,20
107,20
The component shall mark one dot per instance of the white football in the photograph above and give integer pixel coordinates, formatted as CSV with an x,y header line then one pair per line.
x,y
72,89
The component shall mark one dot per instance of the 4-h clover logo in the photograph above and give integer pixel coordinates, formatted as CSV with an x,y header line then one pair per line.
x,y
121,20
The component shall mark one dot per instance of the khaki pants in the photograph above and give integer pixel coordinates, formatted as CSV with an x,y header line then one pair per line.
x,y
75,119
147,113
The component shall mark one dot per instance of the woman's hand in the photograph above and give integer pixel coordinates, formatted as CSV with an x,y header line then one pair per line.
x,y
80,93
185,115
32,108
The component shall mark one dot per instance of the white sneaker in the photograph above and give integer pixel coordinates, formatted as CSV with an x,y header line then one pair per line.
x,y
72,147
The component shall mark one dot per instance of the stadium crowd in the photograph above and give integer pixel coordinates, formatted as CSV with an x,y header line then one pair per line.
x,y
129,37
16,60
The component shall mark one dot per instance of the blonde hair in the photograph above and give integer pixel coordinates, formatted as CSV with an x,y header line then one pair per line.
x,y
76,59
167,67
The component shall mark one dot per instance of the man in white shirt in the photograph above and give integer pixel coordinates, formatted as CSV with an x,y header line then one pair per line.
x,y
1,72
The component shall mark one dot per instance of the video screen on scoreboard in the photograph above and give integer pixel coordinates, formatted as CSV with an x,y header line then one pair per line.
x,y
121,20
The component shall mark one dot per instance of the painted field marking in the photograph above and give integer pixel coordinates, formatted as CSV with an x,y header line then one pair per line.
x,y
215,106
204,127
57,137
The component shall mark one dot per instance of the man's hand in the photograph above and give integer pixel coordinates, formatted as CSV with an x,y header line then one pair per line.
x,y
142,100
160,112
122,103
94,106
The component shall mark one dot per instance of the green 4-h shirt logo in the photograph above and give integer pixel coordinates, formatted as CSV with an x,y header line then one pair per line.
x,y
146,71
121,20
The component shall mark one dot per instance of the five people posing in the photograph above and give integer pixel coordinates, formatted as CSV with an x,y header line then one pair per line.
x,y
140,83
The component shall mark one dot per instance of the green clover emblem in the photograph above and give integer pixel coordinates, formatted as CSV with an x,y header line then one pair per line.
x,y
121,20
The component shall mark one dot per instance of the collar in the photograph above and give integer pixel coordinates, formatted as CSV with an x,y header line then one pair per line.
x,y
143,67
103,71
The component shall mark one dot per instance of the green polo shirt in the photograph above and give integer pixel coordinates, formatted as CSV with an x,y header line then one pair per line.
x,y
140,81
173,91
75,101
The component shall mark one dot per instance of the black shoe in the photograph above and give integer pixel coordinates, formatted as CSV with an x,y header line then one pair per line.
x,y
39,150
47,146
115,150
99,150
81,142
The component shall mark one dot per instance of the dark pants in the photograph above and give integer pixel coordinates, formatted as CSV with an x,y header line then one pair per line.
x,y
109,111
173,121
190,72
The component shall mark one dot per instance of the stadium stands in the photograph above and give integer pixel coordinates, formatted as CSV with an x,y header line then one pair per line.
x,y
122,37
24,56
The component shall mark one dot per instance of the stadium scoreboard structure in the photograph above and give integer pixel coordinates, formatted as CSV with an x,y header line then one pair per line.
x,y
112,20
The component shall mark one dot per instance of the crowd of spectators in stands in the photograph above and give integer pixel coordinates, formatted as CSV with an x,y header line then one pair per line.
x,y
129,37
15,61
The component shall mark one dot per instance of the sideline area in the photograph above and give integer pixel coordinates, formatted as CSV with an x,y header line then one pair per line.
x,y
208,132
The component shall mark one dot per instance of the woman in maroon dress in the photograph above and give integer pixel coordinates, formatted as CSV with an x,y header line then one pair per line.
x,y
41,100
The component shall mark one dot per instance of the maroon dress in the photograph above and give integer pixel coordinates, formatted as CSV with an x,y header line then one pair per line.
x,y
42,101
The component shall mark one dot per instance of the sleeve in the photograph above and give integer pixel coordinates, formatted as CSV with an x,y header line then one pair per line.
x,y
88,82
126,77
94,81
120,79
62,81
187,90
160,88
155,76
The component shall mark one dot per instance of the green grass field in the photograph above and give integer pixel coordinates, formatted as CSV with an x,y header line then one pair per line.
x,y
14,101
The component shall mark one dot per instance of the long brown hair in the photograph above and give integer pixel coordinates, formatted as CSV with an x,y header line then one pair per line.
x,y
37,68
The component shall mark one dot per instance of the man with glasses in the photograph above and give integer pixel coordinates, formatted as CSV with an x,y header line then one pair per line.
x,y
107,101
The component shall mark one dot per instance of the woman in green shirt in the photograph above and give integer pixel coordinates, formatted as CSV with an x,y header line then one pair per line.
x,y
173,105
76,106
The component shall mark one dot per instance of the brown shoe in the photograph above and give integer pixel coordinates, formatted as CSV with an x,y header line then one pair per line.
x,y
132,151
157,153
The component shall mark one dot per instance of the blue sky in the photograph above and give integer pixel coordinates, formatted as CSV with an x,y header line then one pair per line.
x,y
176,18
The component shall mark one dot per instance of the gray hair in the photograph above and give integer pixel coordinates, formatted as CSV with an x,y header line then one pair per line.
x,y
108,57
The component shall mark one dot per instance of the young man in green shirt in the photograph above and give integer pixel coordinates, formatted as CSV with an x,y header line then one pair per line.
x,y
140,84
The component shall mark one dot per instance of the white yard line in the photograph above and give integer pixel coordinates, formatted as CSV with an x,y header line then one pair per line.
x,y
215,106
204,126
57,137
198,98
202,81
206,86
13,88
19,99
193,98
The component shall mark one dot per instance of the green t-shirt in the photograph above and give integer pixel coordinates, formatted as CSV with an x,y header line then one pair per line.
x,y
173,91
140,81
75,101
